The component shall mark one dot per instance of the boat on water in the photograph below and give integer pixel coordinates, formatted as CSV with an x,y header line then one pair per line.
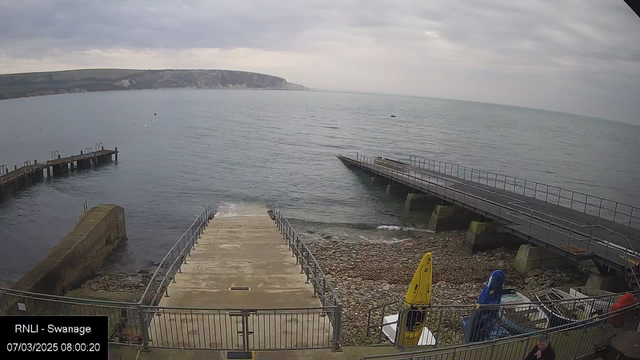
x,y
522,316
566,307
415,305
483,324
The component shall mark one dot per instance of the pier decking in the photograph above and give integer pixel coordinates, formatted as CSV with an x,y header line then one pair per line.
x,y
579,235
241,262
31,173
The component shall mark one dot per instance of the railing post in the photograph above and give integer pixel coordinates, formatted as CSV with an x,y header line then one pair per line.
x,y
245,330
144,329
615,212
337,325
590,238
306,261
324,289
315,277
400,327
570,234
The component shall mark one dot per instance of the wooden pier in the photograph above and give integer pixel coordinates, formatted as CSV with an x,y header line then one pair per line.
x,y
33,172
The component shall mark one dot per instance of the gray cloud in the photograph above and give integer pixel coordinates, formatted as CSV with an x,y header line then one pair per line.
x,y
579,56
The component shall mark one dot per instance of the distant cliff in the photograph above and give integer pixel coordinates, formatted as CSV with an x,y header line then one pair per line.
x,y
74,81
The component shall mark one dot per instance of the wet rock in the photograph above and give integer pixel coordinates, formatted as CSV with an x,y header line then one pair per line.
x,y
534,272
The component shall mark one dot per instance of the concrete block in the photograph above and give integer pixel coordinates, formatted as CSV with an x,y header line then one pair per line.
x,y
531,257
488,235
398,189
421,202
484,227
446,218
610,283
77,256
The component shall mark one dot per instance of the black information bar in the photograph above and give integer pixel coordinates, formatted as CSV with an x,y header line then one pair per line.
x,y
48,337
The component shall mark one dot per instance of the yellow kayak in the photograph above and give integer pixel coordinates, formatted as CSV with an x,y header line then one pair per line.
x,y
415,302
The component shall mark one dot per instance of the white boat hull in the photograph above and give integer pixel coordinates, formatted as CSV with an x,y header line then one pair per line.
x,y
389,330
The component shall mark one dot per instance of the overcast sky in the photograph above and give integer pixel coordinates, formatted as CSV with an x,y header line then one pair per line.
x,y
578,56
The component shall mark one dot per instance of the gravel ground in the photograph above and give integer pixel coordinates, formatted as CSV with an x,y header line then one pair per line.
x,y
118,282
369,272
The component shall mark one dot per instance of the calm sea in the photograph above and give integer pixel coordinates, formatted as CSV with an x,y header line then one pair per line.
x,y
233,147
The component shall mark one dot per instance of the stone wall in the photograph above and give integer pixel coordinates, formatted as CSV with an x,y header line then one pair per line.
x,y
79,254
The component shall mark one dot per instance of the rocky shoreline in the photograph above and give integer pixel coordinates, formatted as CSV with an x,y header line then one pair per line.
x,y
114,285
369,272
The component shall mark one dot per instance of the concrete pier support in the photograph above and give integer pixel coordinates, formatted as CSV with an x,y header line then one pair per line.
x,y
421,202
398,190
611,282
454,217
60,169
488,235
83,164
532,257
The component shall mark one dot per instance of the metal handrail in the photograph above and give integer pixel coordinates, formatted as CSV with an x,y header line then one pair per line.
x,y
538,187
190,235
66,299
311,268
509,212
289,233
487,306
578,325
378,322
236,309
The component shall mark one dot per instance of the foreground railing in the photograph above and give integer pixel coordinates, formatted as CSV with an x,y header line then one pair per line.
x,y
228,329
242,330
126,320
312,270
593,205
458,324
570,341
175,257
612,247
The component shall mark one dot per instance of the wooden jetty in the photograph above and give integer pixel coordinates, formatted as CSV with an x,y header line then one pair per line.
x,y
33,172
